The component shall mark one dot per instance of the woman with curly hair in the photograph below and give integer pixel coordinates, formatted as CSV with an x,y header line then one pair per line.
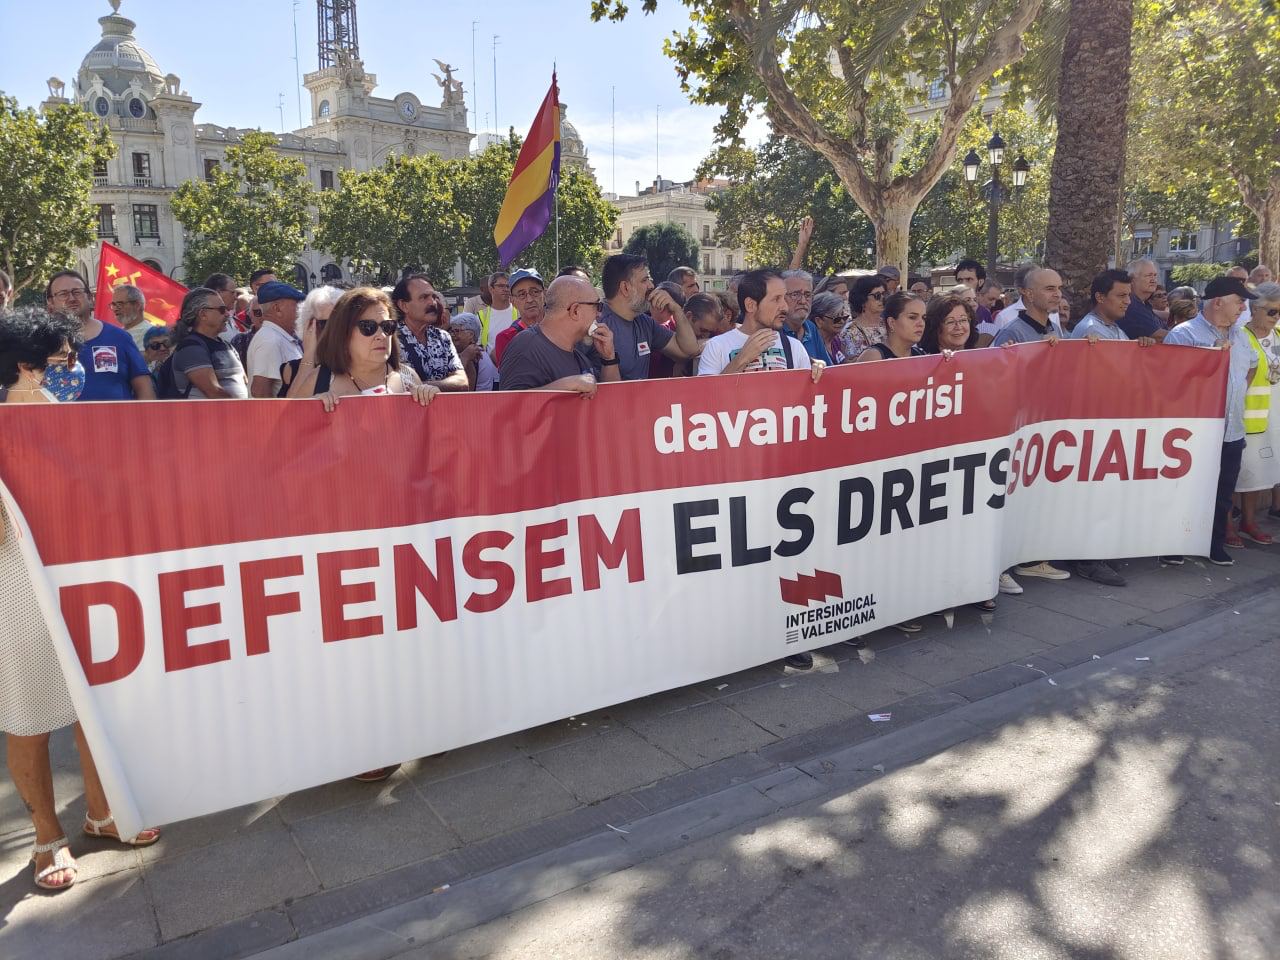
x,y
949,325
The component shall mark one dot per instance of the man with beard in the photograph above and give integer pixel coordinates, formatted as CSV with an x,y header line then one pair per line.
x,y
113,365
630,296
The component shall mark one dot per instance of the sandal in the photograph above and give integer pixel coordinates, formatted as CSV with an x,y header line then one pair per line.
x,y
376,776
987,605
96,828
62,862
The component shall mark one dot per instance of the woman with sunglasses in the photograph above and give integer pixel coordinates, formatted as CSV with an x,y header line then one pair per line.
x,y
830,313
157,344
949,325
206,367
358,353
866,305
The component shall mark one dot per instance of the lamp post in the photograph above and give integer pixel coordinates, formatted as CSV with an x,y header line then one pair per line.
x,y
995,190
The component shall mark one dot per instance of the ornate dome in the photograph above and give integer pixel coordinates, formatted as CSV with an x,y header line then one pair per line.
x,y
573,152
119,59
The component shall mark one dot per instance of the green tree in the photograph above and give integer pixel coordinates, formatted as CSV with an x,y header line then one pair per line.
x,y
779,55
402,214
46,173
586,219
1189,273
253,212
665,245
771,189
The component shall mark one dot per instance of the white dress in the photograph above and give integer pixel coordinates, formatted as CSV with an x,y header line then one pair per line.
x,y
33,693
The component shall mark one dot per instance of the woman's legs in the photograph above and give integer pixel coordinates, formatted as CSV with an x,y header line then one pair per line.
x,y
29,766
95,798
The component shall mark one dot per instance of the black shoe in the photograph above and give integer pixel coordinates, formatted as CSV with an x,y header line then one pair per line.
x,y
1172,561
799,661
1099,572
1220,557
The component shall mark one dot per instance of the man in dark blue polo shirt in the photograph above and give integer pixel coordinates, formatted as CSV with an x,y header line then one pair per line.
x,y
629,296
1140,320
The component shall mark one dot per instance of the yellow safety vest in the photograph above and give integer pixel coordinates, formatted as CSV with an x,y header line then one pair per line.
x,y
1257,399
484,322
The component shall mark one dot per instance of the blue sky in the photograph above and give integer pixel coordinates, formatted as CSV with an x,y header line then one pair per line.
x,y
236,57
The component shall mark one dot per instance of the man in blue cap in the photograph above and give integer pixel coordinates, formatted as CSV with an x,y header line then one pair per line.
x,y
274,344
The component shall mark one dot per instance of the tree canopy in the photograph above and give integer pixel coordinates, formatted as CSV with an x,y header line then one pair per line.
x,y
665,245
253,212
46,173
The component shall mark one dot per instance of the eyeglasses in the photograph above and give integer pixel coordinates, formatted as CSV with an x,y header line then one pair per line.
x,y
597,304
1273,313
800,295
876,296
841,318
221,308
122,303
962,322
257,313
527,294
369,327
158,345
65,295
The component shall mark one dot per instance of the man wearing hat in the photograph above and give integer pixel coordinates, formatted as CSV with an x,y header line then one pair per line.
x,y
892,279
1216,326
528,293
274,344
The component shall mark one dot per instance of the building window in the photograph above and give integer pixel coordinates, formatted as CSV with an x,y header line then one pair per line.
x,y
728,262
210,168
142,169
107,220
146,221
706,233
1183,243
99,173
938,89
326,179
330,273
706,263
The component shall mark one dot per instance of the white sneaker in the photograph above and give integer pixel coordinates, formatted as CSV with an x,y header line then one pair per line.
x,y
1009,585
1043,569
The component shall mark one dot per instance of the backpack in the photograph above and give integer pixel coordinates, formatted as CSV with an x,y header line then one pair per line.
x,y
166,380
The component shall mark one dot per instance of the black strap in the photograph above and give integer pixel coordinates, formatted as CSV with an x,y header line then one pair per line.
x,y
190,338
786,348
324,379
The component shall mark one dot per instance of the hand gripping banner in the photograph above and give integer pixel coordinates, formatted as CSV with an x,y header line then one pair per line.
x,y
322,594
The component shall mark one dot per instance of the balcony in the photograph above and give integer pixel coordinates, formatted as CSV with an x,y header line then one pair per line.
x,y
142,181
99,181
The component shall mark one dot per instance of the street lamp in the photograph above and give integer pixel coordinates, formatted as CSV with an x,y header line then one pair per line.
x,y
1020,170
971,164
996,191
995,150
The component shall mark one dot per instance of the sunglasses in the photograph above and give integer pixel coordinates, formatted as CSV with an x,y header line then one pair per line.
x,y
597,304
221,308
163,345
1273,313
368,328
877,296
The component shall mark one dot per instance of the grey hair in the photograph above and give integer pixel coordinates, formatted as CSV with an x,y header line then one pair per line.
x,y
468,320
960,289
798,275
132,293
192,303
1132,268
828,304
1267,293
322,296
1023,275
1182,293
830,282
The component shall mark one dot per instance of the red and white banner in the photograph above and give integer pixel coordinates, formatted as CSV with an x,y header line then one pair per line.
x,y
252,598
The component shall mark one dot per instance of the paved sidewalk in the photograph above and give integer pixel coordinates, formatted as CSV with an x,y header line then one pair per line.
x,y
251,879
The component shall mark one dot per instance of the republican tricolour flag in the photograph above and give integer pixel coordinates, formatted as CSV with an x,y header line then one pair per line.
x,y
530,199
115,267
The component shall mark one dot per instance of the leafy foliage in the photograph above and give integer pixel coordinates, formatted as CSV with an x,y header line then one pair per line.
x,y
1189,273
253,212
402,214
665,245
46,173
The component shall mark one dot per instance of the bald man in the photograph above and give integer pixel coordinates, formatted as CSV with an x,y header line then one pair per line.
x,y
554,354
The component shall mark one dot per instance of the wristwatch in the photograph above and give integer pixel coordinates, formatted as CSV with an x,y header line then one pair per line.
x,y
611,363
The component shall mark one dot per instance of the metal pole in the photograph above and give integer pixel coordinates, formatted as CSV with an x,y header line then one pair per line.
x,y
993,223
495,85
297,65
474,107
557,228
613,133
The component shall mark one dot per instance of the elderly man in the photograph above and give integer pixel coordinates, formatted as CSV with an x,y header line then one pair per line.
x,y
423,344
1215,326
113,365
631,301
1240,273
527,284
464,329
224,285
1259,275
686,278
799,287
550,356
275,343
1140,319
892,279
129,304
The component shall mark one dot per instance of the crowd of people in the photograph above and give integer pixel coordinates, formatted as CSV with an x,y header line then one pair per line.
x,y
270,340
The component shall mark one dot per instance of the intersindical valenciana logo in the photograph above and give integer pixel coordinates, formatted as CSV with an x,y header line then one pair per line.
x,y
844,615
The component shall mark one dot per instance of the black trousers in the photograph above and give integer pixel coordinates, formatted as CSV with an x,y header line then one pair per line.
x,y
1227,477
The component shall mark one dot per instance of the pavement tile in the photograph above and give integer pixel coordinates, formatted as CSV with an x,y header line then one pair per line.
x,y
1096,608
568,730
1184,613
186,835
224,881
658,704
866,685
702,734
993,681
329,797
834,736
246,937
787,710
611,763
704,780
497,799
94,920
932,661
389,830
1027,617
992,646
742,680
1102,643
477,756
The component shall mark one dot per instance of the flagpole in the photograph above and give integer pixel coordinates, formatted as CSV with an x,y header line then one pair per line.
x,y
557,188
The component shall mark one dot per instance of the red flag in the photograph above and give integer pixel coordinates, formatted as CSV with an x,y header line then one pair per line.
x,y
164,296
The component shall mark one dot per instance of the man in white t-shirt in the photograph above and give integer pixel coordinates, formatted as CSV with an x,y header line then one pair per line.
x,y
274,344
758,342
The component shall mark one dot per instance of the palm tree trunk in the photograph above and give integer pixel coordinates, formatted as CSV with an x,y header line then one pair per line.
x,y
1088,163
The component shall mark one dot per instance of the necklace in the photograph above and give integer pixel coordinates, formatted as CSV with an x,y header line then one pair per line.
x,y
386,376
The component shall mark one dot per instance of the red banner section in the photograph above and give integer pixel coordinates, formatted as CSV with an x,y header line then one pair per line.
x,y
282,468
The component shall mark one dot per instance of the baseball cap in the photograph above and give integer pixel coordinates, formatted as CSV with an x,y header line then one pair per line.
x,y
526,273
893,273
279,290
1226,286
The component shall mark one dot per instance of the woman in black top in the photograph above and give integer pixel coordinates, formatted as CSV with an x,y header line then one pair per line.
x,y
904,326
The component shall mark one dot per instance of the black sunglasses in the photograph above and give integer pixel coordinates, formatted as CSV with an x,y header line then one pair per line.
x,y
1273,312
369,327
164,345
597,304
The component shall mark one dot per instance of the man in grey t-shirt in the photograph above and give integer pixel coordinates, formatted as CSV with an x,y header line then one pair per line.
x,y
551,356
1041,292
629,290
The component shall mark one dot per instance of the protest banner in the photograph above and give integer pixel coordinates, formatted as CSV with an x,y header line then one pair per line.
x,y
328,593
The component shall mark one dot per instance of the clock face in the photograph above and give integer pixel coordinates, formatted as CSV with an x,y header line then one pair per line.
x,y
102,106
137,108
408,109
